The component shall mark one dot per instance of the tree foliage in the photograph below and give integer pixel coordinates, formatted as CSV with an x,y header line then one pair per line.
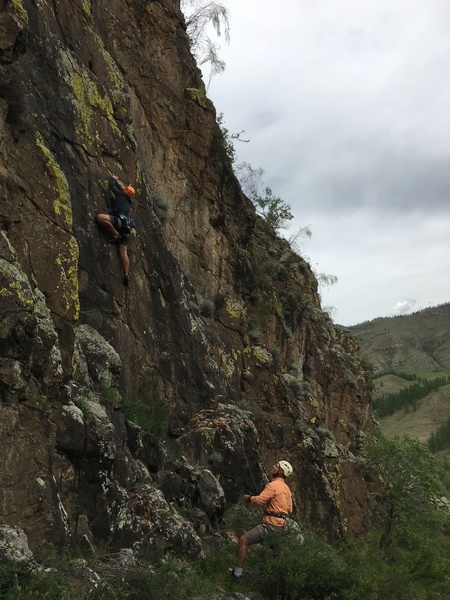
x,y
200,17
407,397
223,147
413,481
440,439
271,207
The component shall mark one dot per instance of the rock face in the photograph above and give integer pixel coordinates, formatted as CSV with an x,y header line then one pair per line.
x,y
118,405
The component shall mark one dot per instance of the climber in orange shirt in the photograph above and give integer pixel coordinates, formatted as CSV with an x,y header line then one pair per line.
x,y
276,498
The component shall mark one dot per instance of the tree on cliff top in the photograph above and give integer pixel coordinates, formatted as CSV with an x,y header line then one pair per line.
x,y
199,16
275,211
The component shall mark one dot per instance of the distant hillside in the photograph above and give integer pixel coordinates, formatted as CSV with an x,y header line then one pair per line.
x,y
417,343
407,352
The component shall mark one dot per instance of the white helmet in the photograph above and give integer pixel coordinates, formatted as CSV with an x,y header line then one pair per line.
x,y
286,468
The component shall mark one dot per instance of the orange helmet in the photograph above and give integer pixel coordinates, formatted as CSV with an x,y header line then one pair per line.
x,y
129,191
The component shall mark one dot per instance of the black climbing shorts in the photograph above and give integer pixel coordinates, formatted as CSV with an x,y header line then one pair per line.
x,y
124,233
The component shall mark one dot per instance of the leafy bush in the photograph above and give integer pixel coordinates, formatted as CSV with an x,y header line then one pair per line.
x,y
323,432
64,578
300,388
413,479
206,308
256,336
160,205
222,148
274,210
315,570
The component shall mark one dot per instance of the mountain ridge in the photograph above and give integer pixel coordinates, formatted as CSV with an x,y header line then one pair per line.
x,y
410,343
402,352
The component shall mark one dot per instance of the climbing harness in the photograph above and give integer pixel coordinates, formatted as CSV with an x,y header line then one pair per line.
x,y
127,224
278,515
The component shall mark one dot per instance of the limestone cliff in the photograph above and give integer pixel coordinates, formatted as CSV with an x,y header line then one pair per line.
x,y
219,341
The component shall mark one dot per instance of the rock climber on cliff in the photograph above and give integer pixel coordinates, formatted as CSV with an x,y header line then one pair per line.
x,y
276,499
117,223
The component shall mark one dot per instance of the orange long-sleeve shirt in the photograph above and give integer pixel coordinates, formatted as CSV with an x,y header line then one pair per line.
x,y
276,497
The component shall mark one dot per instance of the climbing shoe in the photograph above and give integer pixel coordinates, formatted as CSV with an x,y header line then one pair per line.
x,y
235,575
125,280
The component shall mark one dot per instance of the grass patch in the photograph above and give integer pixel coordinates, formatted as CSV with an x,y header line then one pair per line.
x,y
390,384
430,413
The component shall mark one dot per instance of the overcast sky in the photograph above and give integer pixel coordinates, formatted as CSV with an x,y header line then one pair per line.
x,y
346,104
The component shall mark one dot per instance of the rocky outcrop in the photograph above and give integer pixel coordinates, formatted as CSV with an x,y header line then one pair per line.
x,y
14,549
121,405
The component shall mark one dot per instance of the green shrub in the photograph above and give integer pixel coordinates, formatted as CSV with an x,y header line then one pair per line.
x,y
206,308
63,578
313,570
256,336
267,271
323,432
215,457
300,388
222,148
160,205
240,518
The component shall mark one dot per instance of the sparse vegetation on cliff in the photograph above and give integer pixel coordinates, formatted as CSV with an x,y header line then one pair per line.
x,y
275,210
200,14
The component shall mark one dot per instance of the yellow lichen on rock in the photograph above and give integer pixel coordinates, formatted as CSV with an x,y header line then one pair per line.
x,y
62,204
87,8
20,10
235,309
68,263
88,99
69,279
198,95
16,286
261,355
228,362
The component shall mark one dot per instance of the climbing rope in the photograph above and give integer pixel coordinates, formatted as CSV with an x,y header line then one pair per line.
x,y
241,443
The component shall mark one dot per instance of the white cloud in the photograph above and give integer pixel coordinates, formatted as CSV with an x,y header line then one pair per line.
x,y
403,307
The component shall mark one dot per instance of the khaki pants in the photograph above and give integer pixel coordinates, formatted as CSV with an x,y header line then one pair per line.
x,y
261,531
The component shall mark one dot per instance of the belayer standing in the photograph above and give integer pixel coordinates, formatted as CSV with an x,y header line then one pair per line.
x,y
117,223
276,498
